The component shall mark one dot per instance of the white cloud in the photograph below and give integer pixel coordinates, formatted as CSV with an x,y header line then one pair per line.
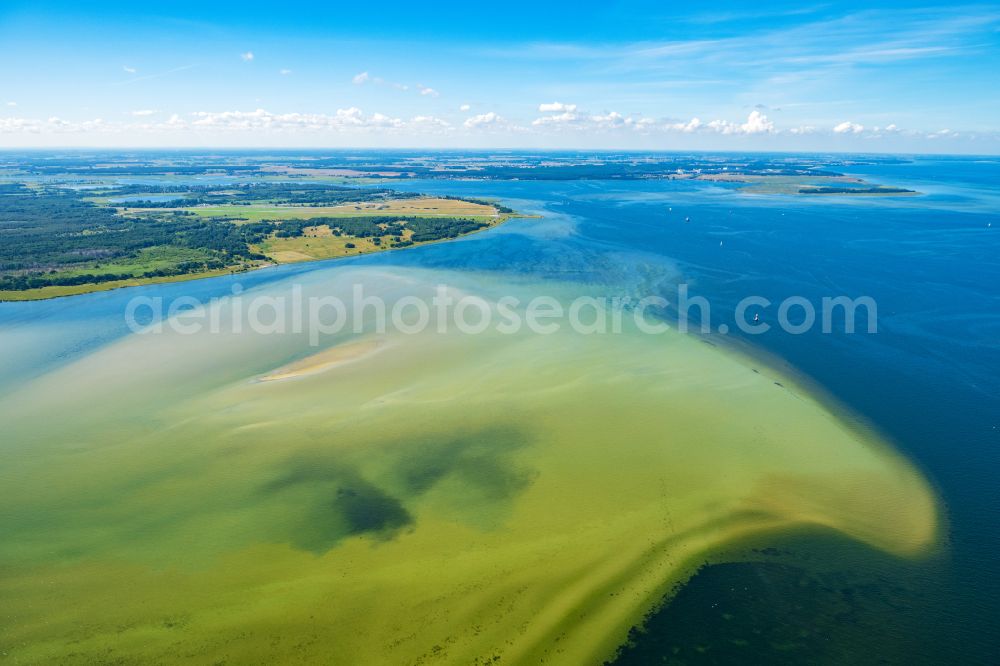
x,y
206,125
612,119
690,126
361,78
284,72
346,120
20,125
464,107
129,70
51,125
942,134
847,127
568,116
11,104
557,119
430,123
757,123
721,126
582,120
555,107
247,57
429,92
891,129
482,120
382,121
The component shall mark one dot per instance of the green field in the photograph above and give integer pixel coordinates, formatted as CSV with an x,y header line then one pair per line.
x,y
265,211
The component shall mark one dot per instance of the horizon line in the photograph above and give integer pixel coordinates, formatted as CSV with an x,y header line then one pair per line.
x,y
484,149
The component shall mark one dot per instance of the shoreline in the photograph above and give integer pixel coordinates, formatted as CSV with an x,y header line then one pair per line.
x,y
51,292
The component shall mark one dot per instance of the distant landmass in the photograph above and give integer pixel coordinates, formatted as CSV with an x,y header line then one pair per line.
x,y
84,221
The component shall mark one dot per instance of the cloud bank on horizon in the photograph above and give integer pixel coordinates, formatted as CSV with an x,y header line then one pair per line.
x,y
898,78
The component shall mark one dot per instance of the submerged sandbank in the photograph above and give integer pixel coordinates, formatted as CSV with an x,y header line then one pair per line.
x,y
451,498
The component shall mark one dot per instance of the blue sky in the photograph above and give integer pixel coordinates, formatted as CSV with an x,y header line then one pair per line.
x,y
657,75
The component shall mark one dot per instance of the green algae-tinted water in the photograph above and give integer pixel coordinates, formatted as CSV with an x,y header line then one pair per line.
x,y
433,497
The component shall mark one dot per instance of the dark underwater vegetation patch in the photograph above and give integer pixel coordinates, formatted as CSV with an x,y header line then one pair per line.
x,y
368,509
337,501
481,460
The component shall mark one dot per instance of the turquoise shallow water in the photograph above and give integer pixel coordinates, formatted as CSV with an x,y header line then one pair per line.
x,y
929,379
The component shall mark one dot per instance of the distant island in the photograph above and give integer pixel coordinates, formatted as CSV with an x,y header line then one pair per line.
x,y
878,189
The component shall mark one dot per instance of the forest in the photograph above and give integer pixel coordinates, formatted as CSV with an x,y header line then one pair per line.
x,y
256,192
58,236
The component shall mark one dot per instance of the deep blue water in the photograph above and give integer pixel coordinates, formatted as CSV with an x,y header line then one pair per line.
x,y
929,378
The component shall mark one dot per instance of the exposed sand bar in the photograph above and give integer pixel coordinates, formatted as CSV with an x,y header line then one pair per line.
x,y
325,360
